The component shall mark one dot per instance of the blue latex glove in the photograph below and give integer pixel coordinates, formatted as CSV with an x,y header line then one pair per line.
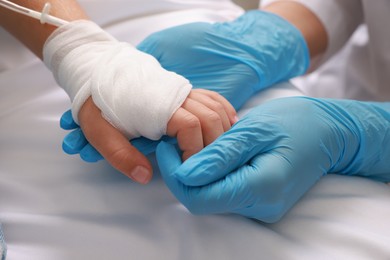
x,y
235,59
277,152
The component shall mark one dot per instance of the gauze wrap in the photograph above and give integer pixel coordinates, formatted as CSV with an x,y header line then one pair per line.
x,y
135,94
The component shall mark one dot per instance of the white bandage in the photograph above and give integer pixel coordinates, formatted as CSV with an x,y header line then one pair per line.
x,y
133,91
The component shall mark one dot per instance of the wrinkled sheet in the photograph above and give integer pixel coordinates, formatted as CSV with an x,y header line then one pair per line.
x,y
54,206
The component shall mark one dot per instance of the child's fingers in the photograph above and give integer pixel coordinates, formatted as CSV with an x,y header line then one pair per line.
x,y
202,118
211,122
187,129
112,145
214,106
231,112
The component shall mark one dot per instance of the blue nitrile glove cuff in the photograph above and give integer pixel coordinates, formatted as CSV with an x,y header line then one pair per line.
x,y
277,56
370,122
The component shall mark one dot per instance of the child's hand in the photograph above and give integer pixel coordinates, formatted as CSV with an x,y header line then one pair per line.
x,y
113,145
203,117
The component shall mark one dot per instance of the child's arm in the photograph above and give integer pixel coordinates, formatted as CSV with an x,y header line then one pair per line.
x,y
31,32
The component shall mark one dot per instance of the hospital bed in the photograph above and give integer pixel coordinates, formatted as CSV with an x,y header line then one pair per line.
x,y
55,206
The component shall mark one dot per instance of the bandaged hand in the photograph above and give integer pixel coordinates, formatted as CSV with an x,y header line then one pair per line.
x,y
135,94
202,118
277,152
130,88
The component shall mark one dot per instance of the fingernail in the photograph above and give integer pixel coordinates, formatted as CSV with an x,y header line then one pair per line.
x,y
140,174
236,119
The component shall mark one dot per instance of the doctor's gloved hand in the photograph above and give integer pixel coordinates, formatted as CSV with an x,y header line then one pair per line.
x,y
277,152
235,59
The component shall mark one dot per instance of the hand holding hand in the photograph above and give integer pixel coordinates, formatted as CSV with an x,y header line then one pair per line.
x,y
202,118
234,59
272,156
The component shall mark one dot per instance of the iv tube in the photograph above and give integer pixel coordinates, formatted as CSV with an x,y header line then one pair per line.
x,y
43,16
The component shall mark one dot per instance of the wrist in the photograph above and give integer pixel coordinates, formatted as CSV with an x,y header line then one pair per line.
x,y
359,142
30,31
372,123
280,50
71,52
305,21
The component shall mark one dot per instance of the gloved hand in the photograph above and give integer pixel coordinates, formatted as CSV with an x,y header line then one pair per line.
x,y
277,152
235,59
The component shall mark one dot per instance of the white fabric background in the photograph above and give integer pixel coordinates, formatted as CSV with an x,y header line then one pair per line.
x,y
54,206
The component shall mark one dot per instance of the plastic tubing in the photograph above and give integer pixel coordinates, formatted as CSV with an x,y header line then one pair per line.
x,y
43,16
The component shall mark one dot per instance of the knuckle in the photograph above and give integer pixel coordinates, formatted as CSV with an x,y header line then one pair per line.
x,y
213,117
216,106
118,157
191,121
215,95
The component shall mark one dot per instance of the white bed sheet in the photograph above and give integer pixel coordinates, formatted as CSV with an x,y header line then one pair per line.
x,y
54,206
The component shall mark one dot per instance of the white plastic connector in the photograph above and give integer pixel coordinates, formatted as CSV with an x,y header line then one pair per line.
x,y
45,13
